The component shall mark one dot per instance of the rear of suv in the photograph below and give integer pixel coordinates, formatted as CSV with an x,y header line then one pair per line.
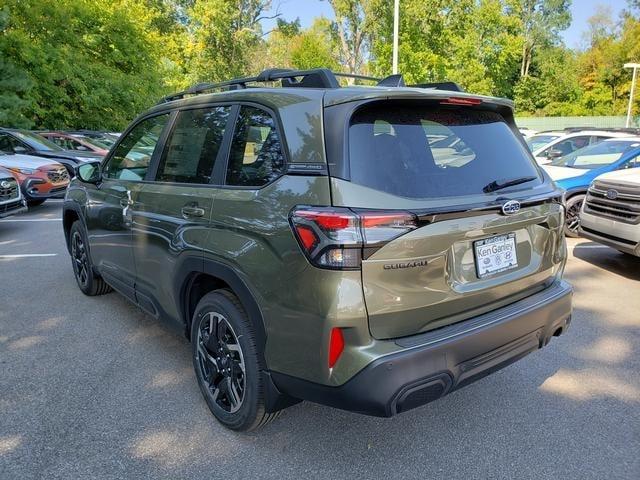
x,y
368,248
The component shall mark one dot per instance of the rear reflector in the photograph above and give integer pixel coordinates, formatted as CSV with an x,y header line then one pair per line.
x,y
336,346
307,237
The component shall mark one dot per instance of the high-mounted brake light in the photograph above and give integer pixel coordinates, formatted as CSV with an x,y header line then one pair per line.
x,y
461,101
335,237
336,345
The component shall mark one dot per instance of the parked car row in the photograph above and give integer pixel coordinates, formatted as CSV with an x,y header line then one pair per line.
x,y
575,157
36,166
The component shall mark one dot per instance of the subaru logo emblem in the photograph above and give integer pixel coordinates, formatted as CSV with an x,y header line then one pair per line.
x,y
5,184
612,194
511,207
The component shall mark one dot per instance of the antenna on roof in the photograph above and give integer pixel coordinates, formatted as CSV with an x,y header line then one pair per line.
x,y
395,80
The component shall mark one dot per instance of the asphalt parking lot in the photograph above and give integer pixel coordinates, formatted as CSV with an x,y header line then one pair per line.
x,y
93,388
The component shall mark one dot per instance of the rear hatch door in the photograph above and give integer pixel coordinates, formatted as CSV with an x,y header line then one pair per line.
x,y
489,228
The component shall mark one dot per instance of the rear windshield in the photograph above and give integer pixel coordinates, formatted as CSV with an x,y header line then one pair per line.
x,y
419,152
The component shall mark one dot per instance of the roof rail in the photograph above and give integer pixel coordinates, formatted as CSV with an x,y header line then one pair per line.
x,y
312,78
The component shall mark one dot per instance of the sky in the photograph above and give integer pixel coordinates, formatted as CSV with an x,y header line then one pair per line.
x,y
307,10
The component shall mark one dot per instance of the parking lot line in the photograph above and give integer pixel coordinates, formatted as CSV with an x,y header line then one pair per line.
x,y
27,255
31,220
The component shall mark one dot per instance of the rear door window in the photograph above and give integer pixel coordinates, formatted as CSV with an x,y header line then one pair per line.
x,y
421,152
193,147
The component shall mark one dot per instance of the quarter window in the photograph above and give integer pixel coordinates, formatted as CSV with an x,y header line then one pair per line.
x,y
132,156
256,155
193,147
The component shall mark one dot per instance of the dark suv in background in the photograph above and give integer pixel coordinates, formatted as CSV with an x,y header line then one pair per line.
x,y
368,248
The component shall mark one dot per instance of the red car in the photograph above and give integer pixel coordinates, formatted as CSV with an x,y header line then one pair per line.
x,y
76,142
39,178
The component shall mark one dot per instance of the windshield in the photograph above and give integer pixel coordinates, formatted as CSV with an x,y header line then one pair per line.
x,y
95,142
37,142
537,141
418,152
107,140
598,155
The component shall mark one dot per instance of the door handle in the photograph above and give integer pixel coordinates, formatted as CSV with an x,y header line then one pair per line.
x,y
126,202
190,211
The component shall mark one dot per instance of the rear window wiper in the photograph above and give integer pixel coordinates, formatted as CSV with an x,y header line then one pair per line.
x,y
495,185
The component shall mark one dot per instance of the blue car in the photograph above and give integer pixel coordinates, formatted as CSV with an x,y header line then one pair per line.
x,y
575,172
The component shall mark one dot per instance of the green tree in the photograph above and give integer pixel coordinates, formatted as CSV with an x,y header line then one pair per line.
x,y
89,64
223,33
15,83
355,23
542,21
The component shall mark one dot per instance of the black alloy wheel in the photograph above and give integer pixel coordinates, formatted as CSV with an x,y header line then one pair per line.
x,y
90,282
80,260
221,362
572,216
228,362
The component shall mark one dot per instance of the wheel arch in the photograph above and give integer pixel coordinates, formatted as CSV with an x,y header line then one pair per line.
x,y
70,214
572,192
198,276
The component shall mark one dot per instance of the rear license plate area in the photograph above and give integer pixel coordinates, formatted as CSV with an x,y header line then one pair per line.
x,y
495,254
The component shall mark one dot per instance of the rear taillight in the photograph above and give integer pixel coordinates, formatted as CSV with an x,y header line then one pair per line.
x,y
335,237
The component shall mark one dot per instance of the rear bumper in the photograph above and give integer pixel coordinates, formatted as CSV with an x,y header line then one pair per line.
x,y
436,363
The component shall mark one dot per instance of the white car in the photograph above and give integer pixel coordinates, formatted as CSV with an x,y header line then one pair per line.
x,y
611,212
547,146
527,132
11,200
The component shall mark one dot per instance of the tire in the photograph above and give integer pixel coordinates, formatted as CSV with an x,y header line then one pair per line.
x,y
88,281
227,362
34,203
572,216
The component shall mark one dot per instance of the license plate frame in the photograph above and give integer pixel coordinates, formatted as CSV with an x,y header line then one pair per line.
x,y
499,255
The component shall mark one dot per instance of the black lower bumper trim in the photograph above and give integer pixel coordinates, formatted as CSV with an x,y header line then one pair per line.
x,y
442,363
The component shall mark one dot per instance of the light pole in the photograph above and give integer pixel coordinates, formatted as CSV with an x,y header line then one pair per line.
x,y
635,67
396,27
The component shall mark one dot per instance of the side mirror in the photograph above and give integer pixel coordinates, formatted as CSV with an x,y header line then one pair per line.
x,y
90,172
81,148
553,153
19,149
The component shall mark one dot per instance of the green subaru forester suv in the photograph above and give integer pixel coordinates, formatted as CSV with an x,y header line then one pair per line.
x,y
368,248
